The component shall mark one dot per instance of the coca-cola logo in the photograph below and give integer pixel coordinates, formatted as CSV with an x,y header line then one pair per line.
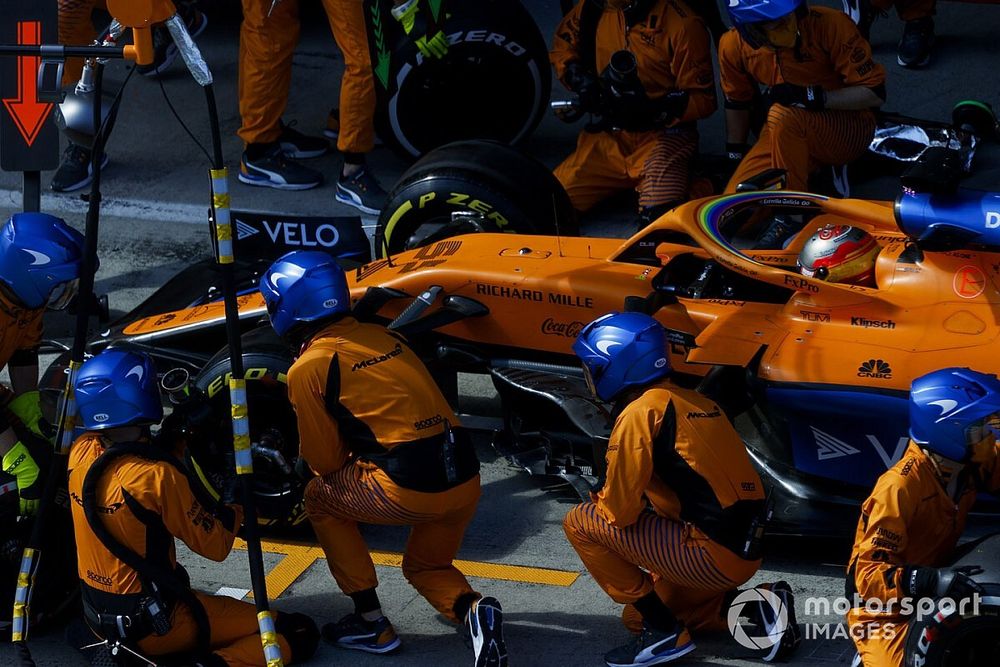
x,y
568,329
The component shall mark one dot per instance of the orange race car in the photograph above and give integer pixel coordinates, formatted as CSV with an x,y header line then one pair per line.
x,y
814,374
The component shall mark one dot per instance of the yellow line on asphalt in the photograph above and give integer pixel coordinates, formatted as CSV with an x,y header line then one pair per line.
x,y
298,557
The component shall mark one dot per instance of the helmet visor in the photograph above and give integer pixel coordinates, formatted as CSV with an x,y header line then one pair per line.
x,y
61,296
980,429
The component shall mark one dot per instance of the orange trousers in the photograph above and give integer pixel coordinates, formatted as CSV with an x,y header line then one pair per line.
x,y
801,141
875,649
361,493
692,573
267,44
908,10
76,28
656,163
234,634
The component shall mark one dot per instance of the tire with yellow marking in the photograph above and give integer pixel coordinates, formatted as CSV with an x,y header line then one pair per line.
x,y
500,188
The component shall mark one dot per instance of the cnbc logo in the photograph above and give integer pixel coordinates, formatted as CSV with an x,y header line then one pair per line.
x,y
875,368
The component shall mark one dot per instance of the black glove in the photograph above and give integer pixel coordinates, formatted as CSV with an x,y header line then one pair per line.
x,y
586,85
666,109
735,154
955,583
812,98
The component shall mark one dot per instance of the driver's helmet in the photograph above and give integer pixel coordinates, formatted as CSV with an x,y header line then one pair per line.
x,y
840,254
621,350
118,388
750,16
952,410
40,258
304,286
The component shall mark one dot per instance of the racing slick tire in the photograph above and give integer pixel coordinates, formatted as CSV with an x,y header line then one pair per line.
x,y
278,488
489,187
493,83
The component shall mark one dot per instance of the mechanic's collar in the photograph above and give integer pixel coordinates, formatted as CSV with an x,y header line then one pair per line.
x,y
635,11
949,473
782,33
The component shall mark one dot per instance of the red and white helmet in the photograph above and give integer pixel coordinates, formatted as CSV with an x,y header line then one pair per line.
x,y
840,254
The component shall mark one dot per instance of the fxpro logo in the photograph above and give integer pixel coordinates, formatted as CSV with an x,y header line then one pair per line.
x,y
294,233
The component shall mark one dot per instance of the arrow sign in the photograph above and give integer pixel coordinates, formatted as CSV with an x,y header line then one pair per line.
x,y
28,113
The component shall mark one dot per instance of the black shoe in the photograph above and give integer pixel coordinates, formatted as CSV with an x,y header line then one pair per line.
x,y
354,632
271,169
915,46
164,50
863,14
75,170
362,192
651,647
791,637
485,625
297,145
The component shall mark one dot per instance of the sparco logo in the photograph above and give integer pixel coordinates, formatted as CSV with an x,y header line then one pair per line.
x,y
875,368
872,324
427,423
568,329
395,352
704,415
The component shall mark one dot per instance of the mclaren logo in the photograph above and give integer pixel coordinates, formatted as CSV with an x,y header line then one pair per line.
x,y
872,324
875,368
395,352
829,447
704,415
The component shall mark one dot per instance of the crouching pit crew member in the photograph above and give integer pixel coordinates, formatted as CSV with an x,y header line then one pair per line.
x,y
131,498
911,522
39,267
386,449
673,531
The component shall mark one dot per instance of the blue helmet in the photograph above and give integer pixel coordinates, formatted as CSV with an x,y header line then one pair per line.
x,y
38,253
745,12
118,388
622,350
950,405
304,286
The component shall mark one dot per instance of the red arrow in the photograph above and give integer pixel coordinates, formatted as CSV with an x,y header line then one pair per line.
x,y
28,113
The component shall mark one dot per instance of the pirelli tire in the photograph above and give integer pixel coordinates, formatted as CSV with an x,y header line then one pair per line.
x,y
473,186
494,82
272,421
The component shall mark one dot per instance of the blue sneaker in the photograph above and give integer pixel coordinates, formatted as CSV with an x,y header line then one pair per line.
x,y
652,647
354,632
485,624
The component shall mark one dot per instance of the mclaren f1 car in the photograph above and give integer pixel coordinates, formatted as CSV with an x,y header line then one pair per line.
x,y
814,374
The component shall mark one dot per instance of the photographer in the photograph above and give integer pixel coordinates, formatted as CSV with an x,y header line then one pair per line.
x,y
644,68
911,522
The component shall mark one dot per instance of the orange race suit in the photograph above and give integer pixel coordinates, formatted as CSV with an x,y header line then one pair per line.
x,y
388,450
673,53
144,503
267,44
830,52
675,510
909,520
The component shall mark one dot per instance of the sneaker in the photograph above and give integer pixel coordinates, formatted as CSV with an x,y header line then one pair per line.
x,y
485,625
164,50
652,647
915,46
792,636
332,129
362,192
779,232
273,170
354,632
863,14
75,170
297,145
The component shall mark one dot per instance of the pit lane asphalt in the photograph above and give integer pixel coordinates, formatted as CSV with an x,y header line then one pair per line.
x,y
155,185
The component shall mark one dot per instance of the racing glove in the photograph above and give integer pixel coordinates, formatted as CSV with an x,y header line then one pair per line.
x,y
421,28
27,407
587,87
812,98
666,109
955,583
21,463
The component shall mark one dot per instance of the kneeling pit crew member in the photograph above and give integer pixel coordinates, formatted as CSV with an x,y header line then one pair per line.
x,y
386,449
674,530
131,498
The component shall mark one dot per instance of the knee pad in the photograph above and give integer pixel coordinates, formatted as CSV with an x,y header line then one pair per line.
x,y
300,632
